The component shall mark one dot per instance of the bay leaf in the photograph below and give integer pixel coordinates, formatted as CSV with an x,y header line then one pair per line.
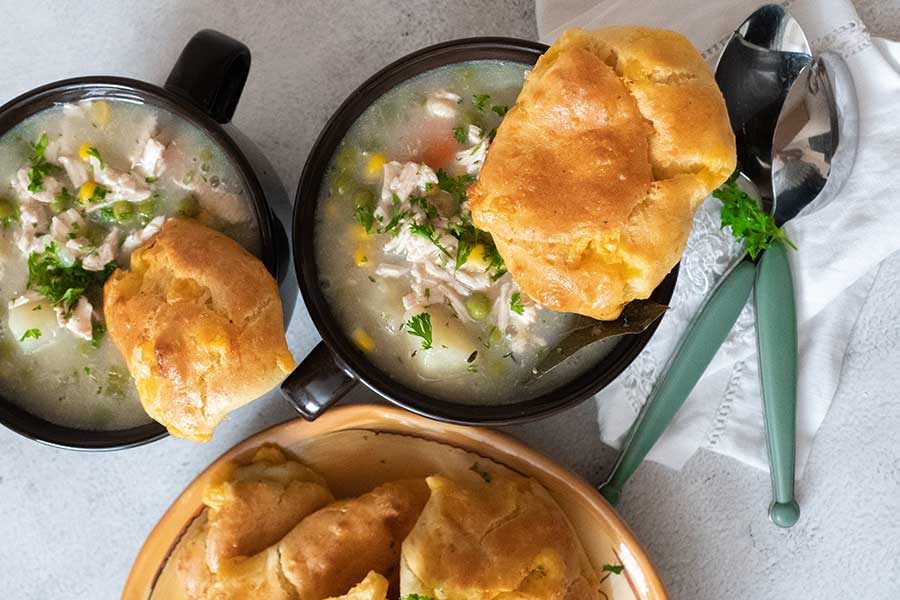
x,y
637,316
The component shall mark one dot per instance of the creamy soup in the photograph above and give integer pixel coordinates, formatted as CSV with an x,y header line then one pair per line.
x,y
416,286
81,187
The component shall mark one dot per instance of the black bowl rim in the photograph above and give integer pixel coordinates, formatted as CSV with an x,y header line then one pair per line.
x,y
351,360
38,99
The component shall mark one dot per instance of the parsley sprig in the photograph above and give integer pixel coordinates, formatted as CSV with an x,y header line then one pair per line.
x,y
40,168
748,222
60,283
515,303
420,326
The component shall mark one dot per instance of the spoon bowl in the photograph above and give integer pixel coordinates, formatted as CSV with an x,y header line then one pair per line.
x,y
815,138
755,71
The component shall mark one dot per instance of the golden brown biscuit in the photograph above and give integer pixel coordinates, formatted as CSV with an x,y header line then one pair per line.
x,y
258,577
258,503
373,587
501,539
590,185
199,322
189,561
334,548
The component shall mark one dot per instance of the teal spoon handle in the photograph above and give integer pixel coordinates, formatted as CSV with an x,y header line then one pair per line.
x,y
700,343
776,334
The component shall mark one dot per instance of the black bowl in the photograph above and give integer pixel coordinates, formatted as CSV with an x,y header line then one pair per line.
x,y
203,88
336,365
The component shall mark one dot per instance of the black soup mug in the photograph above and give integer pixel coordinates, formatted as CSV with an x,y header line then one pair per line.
x,y
335,365
203,89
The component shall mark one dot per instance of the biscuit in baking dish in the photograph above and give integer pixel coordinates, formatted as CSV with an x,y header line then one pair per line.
x,y
501,539
331,550
590,185
257,503
199,322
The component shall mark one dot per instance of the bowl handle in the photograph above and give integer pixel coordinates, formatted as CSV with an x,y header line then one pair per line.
x,y
211,72
316,383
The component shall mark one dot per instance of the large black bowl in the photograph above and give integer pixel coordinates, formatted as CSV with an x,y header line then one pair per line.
x,y
336,365
203,88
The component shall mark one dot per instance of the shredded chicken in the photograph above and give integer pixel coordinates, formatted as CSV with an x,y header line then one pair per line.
x,y
442,104
50,186
471,159
33,224
136,238
76,170
105,253
122,185
78,320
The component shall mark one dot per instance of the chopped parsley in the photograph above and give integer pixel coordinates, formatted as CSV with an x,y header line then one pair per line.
x,y
33,333
98,196
460,134
38,149
492,255
430,211
40,168
455,186
365,216
416,597
426,230
748,222
515,303
98,330
150,179
62,284
480,101
463,250
96,154
420,326
393,226
500,109
477,468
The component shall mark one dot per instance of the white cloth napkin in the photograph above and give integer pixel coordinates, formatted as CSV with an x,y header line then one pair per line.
x,y
840,244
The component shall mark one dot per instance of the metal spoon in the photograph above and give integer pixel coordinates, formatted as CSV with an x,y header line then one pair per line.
x,y
755,70
814,148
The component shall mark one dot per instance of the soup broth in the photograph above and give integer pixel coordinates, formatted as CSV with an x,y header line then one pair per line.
x,y
81,187
415,285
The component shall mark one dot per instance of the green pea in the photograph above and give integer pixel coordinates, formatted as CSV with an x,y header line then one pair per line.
x,y
478,306
342,183
189,206
146,207
346,159
123,211
146,210
8,211
364,199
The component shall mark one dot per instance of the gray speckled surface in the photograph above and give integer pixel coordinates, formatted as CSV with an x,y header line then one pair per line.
x,y
70,524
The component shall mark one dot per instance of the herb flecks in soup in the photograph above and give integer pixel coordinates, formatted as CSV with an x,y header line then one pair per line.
x,y
81,187
417,287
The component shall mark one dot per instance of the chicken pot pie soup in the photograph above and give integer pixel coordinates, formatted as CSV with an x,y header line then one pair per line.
x,y
82,186
416,286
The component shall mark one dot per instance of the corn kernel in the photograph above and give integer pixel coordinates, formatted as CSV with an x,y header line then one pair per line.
x,y
375,164
477,259
363,340
86,192
359,233
359,257
100,113
84,151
